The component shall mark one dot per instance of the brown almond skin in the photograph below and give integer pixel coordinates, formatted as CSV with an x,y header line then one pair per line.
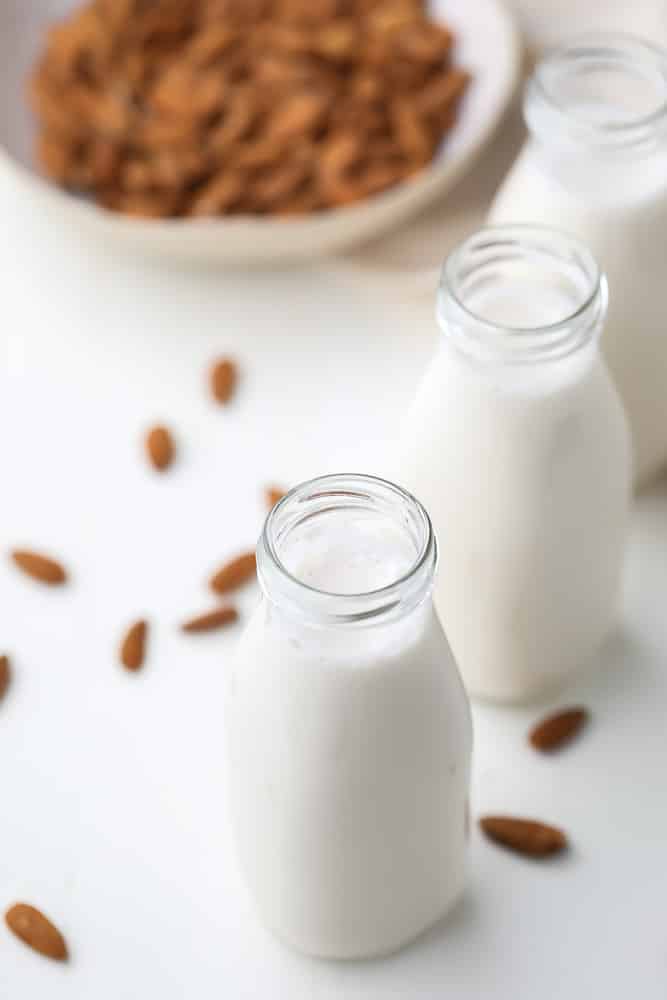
x,y
556,731
160,447
224,376
234,573
36,930
39,567
273,495
4,674
213,620
133,646
524,836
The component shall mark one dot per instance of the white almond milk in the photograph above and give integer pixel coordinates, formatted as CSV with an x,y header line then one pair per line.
x,y
349,730
596,166
518,445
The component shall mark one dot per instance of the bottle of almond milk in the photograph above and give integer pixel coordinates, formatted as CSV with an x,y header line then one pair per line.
x,y
348,727
595,164
518,445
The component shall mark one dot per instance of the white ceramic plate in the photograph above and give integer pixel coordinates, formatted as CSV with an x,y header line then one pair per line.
x,y
488,46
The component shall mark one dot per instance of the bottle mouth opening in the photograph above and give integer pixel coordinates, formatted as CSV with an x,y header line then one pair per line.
x,y
328,535
521,293
611,89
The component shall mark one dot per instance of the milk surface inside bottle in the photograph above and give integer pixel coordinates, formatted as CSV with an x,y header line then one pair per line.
x,y
349,730
518,444
595,164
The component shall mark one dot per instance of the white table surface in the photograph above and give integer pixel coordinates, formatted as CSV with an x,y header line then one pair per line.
x,y
113,797
113,813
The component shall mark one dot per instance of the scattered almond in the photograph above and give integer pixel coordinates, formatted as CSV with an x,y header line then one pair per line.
x,y
525,836
556,731
234,573
273,495
133,646
160,447
211,620
4,674
224,375
39,567
36,930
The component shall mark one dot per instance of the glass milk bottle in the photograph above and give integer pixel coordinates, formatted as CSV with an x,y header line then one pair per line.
x,y
518,444
349,730
595,164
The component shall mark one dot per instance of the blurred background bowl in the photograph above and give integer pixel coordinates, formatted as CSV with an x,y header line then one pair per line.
x,y
487,45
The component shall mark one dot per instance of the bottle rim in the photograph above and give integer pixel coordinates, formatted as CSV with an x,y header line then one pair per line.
x,y
622,53
345,491
562,254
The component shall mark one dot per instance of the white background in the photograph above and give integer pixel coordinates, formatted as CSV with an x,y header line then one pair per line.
x,y
112,815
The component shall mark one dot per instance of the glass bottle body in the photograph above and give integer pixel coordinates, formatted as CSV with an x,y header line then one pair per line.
x,y
595,165
349,729
519,446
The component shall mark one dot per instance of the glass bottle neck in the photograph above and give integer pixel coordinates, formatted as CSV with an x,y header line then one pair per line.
x,y
603,96
347,550
521,295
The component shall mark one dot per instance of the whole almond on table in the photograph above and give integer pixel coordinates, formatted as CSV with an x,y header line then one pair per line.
x,y
524,836
211,620
224,376
557,730
36,930
234,573
133,646
160,447
4,674
39,567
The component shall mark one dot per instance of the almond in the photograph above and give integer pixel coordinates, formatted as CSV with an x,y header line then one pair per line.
x,y
234,573
239,116
160,447
273,495
218,195
224,376
297,114
144,205
443,92
282,183
39,567
4,674
36,930
412,134
211,620
556,731
525,836
133,646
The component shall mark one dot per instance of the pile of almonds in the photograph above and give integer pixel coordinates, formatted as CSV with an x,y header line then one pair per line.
x,y
210,107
